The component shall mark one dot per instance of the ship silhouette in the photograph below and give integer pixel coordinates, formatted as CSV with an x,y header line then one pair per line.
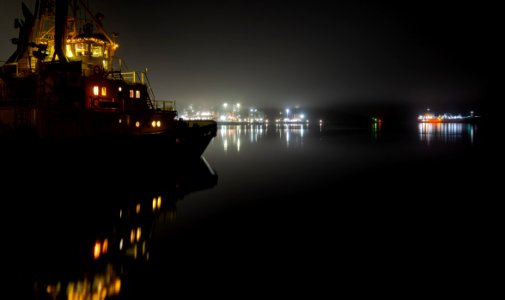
x,y
64,81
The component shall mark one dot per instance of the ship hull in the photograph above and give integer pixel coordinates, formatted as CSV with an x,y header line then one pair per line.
x,y
112,148
77,164
114,131
181,141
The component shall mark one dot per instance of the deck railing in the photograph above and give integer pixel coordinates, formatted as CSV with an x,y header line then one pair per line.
x,y
164,104
133,77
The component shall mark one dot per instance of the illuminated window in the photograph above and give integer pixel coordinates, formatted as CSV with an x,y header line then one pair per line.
x,y
131,93
96,51
137,94
80,49
95,90
104,91
69,51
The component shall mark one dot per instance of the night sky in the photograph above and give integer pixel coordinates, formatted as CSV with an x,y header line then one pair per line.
x,y
315,54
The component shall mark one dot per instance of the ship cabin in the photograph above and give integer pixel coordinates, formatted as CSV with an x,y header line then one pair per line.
x,y
93,50
115,94
105,89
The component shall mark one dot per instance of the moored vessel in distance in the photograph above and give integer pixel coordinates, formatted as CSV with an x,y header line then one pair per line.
x,y
64,81
429,117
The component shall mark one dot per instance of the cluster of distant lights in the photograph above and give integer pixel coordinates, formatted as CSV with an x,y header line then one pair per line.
x,y
439,118
429,117
232,118
292,120
242,120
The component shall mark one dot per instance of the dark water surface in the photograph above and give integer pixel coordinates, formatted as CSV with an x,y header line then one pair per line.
x,y
268,211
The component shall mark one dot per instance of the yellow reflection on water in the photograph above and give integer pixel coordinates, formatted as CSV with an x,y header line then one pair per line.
x,y
97,250
105,246
125,243
132,236
102,285
139,231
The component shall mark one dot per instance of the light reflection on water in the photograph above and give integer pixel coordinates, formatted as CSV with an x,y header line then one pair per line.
x,y
447,132
128,242
234,137
122,241
292,133
376,129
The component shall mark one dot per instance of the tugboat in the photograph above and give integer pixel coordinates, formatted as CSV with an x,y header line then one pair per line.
x,y
64,82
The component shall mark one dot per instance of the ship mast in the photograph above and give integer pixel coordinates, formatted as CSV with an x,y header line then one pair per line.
x,y
60,25
98,22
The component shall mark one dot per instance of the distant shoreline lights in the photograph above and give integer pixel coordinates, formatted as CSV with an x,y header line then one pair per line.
x,y
429,117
